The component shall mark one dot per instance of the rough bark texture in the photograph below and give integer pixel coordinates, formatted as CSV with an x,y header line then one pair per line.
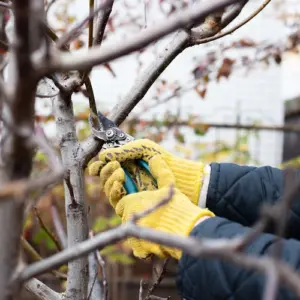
x,y
16,155
76,211
40,290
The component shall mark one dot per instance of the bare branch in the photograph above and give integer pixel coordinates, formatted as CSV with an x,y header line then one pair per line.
x,y
66,62
216,22
272,283
16,154
161,203
102,264
41,291
36,257
5,5
75,31
76,210
230,31
232,13
91,23
101,22
141,290
95,289
223,249
50,5
58,225
47,231
158,280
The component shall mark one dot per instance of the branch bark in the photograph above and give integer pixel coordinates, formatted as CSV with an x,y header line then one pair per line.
x,y
76,211
95,289
16,155
67,62
222,249
41,291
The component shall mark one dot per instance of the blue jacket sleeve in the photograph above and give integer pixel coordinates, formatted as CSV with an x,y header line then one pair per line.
x,y
238,192
215,279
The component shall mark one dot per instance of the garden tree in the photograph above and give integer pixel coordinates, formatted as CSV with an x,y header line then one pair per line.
x,y
40,65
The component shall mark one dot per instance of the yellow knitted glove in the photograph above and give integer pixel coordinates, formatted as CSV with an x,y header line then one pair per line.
x,y
178,216
188,174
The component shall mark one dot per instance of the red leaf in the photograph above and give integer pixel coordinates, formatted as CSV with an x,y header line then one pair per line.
x,y
225,69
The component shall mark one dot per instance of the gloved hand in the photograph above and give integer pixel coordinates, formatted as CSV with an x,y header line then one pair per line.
x,y
188,174
178,216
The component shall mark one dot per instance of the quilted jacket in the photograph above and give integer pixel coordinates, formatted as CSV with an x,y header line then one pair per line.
x,y
236,194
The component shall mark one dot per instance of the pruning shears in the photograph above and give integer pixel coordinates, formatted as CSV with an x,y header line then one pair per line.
x,y
114,137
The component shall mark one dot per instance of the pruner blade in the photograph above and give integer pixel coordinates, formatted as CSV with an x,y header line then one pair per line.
x,y
109,133
113,137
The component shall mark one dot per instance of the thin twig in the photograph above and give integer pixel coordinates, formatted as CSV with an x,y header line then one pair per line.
x,y
101,24
47,231
102,264
141,290
163,202
271,286
20,189
227,32
50,5
6,5
65,39
158,281
92,286
91,23
70,188
59,228
96,291
36,257
75,82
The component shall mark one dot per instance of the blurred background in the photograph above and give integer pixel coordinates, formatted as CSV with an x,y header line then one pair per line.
x,y
202,107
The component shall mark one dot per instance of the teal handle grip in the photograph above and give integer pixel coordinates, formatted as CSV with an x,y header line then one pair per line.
x,y
129,184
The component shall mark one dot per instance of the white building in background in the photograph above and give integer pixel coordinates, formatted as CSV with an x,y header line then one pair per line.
x,y
259,95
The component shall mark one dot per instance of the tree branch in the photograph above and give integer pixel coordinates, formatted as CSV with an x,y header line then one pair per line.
x,y
222,249
101,22
58,225
95,290
64,40
76,211
67,62
36,257
47,231
16,155
41,291
230,31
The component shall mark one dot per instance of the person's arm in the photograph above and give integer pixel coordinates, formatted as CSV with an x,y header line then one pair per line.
x,y
211,279
238,192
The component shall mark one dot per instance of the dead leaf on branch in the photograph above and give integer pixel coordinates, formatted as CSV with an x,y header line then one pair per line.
x,y
225,69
